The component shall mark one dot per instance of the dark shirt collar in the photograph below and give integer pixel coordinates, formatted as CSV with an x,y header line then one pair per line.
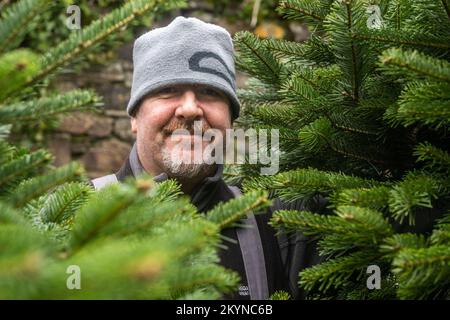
x,y
201,195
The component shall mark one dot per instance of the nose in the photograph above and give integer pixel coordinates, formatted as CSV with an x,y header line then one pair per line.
x,y
189,108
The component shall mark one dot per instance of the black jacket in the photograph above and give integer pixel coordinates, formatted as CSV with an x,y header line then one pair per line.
x,y
285,255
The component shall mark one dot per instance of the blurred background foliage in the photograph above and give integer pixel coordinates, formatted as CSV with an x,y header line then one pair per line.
x,y
50,28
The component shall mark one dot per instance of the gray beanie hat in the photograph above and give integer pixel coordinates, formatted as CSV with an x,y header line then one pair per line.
x,y
187,51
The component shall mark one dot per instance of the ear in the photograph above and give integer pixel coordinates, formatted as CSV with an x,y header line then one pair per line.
x,y
133,121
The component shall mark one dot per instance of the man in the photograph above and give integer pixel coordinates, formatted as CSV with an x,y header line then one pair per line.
x,y
184,78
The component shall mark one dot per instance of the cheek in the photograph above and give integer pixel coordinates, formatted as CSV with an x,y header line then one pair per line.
x,y
219,117
152,120
160,116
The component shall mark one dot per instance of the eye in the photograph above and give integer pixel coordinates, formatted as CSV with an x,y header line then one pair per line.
x,y
210,92
167,92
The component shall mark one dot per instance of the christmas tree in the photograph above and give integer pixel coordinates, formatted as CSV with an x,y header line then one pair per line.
x,y
61,240
363,110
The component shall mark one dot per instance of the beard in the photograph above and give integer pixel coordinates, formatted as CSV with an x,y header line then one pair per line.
x,y
182,166
182,169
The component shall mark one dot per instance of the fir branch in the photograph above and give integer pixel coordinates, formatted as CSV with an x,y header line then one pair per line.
x,y
64,202
299,89
391,246
336,272
104,207
314,50
6,152
424,102
167,191
144,214
353,227
363,228
355,59
416,190
307,222
354,120
394,38
256,59
36,186
274,114
396,15
360,291
344,147
226,214
407,61
187,238
296,9
353,50
316,135
321,134
280,295
446,7
14,21
354,129
145,267
79,43
433,157
441,233
375,198
49,106
204,275
300,183
284,48
21,166
422,271
429,17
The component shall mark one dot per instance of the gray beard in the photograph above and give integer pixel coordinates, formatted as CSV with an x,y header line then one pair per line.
x,y
180,169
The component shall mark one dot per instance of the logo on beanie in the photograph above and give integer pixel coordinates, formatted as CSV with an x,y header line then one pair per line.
x,y
196,58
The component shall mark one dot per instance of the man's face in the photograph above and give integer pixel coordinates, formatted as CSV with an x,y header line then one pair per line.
x,y
173,108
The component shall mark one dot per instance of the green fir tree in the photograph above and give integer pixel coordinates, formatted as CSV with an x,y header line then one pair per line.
x,y
363,111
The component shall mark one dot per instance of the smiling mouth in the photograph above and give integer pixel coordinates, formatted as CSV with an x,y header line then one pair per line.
x,y
179,136
182,133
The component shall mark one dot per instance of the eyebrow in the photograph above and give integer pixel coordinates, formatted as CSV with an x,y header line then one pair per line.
x,y
193,86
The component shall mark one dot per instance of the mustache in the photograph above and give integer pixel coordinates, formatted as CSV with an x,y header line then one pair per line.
x,y
191,126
